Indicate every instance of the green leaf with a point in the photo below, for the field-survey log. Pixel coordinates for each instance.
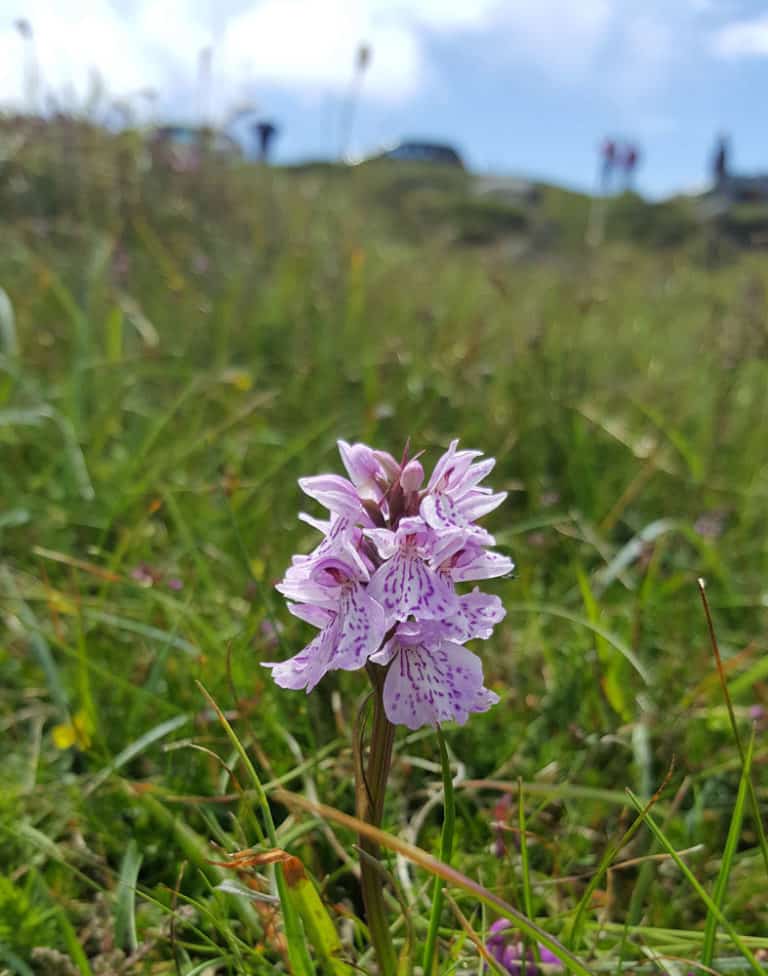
(318, 924)
(136, 748)
(614, 681)
(125, 909)
(8, 336)
(731, 843)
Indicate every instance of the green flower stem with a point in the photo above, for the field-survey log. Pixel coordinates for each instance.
(370, 801)
(429, 962)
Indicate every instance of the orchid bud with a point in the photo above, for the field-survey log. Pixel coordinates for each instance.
(412, 476)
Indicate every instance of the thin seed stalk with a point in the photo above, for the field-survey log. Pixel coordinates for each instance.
(370, 802)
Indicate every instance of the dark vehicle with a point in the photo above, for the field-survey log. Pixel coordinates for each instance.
(421, 152)
(746, 189)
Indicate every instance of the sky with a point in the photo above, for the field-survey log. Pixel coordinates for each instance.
(522, 87)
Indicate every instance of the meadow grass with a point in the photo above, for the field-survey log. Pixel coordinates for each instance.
(177, 351)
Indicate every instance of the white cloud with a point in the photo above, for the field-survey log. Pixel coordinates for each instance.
(295, 42)
(742, 38)
(440, 15)
(309, 46)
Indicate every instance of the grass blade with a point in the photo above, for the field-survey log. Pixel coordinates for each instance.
(756, 814)
(294, 936)
(73, 944)
(440, 870)
(39, 645)
(125, 909)
(135, 748)
(616, 642)
(8, 337)
(17, 965)
(574, 937)
(731, 843)
(429, 960)
(524, 866)
(659, 834)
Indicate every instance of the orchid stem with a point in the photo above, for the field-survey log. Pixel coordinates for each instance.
(370, 799)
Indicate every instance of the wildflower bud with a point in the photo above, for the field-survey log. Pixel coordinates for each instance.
(412, 476)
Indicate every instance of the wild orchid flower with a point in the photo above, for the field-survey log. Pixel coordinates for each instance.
(381, 585)
(507, 950)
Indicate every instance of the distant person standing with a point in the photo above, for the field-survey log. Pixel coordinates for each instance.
(630, 160)
(608, 157)
(720, 162)
(265, 136)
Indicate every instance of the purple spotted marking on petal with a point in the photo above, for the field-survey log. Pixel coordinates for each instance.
(425, 686)
(363, 625)
(476, 616)
(406, 585)
(441, 512)
(306, 668)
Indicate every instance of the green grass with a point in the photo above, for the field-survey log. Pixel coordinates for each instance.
(176, 352)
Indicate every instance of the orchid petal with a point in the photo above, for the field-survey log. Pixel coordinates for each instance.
(337, 495)
(363, 467)
(477, 504)
(316, 616)
(363, 626)
(405, 585)
(476, 616)
(305, 669)
(479, 564)
(427, 685)
(384, 540)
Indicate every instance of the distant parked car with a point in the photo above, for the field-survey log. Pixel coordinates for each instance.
(421, 152)
(746, 189)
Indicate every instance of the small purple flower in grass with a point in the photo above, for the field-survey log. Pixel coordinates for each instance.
(510, 952)
(381, 585)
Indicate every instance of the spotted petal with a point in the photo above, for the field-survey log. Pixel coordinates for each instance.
(363, 626)
(406, 585)
(427, 685)
(440, 511)
(476, 616)
(306, 668)
(452, 466)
